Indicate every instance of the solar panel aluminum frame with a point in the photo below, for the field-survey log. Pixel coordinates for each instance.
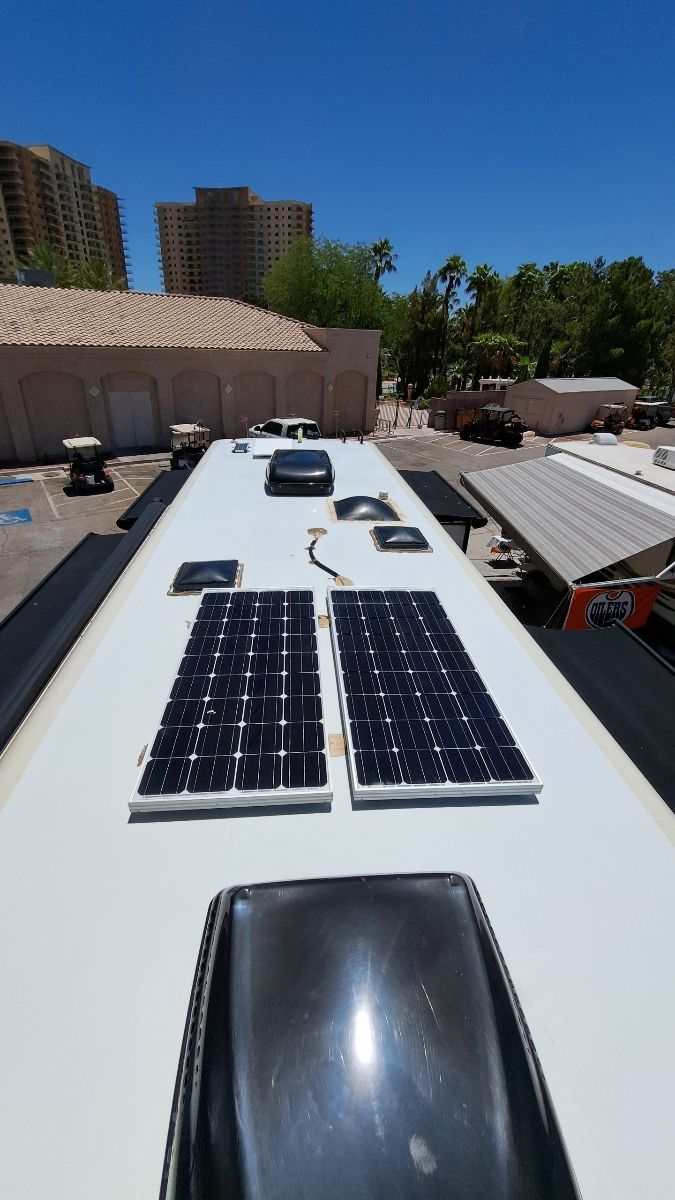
(407, 791)
(279, 797)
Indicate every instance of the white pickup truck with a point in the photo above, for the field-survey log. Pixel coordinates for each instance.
(286, 427)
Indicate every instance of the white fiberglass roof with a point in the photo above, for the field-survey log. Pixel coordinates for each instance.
(633, 462)
(101, 915)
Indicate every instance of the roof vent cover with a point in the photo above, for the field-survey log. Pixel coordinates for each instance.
(365, 508)
(399, 537)
(212, 573)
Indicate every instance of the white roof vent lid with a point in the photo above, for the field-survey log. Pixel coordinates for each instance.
(664, 456)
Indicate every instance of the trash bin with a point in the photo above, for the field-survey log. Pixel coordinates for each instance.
(439, 419)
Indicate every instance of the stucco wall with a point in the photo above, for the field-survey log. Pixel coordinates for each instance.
(49, 393)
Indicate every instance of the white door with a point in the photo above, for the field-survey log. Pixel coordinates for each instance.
(132, 419)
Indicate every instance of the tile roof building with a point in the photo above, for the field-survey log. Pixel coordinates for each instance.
(227, 240)
(124, 366)
(46, 196)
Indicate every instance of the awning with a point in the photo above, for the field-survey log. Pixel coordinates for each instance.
(571, 523)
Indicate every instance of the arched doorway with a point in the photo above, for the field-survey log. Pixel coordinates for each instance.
(253, 399)
(196, 397)
(132, 410)
(56, 407)
(351, 399)
(305, 396)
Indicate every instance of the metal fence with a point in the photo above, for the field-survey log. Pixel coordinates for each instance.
(393, 415)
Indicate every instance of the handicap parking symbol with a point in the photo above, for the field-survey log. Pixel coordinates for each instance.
(15, 516)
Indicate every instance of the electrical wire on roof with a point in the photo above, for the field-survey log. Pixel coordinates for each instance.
(315, 534)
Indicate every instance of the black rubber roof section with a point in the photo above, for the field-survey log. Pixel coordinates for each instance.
(447, 504)
(628, 686)
(36, 635)
(165, 487)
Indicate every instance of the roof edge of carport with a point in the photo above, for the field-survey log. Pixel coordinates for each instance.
(572, 524)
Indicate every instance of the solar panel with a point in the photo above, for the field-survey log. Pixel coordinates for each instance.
(420, 720)
(244, 722)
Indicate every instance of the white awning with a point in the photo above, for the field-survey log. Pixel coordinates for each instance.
(574, 524)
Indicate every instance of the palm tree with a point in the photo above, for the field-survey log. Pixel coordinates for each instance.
(382, 254)
(96, 274)
(44, 257)
(481, 279)
(451, 273)
(494, 352)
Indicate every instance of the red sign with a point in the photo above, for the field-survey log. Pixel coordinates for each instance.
(597, 607)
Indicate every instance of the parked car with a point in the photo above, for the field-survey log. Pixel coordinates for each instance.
(501, 426)
(88, 471)
(286, 427)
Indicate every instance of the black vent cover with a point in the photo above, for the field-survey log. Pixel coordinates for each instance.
(194, 576)
(364, 508)
(358, 1038)
(399, 537)
(300, 473)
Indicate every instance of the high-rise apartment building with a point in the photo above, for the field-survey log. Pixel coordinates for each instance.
(226, 241)
(45, 196)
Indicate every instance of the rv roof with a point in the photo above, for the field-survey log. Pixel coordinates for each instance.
(101, 915)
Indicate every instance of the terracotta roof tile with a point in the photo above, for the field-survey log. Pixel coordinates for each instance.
(44, 316)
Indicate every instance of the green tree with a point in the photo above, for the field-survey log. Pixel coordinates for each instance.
(494, 354)
(327, 284)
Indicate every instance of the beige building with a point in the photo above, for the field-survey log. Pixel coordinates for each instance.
(227, 240)
(557, 406)
(124, 366)
(45, 196)
(550, 407)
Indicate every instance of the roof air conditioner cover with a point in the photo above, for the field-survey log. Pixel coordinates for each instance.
(351, 1038)
(300, 473)
(664, 456)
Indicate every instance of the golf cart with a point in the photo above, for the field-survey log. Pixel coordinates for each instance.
(611, 418)
(189, 443)
(88, 471)
(648, 412)
(501, 426)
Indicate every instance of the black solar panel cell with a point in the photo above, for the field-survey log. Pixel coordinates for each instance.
(245, 713)
(418, 713)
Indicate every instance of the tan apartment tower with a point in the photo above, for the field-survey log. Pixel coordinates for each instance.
(45, 196)
(226, 241)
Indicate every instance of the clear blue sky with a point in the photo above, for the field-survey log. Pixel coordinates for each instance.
(501, 130)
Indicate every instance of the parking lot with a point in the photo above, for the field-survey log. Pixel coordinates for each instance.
(40, 523)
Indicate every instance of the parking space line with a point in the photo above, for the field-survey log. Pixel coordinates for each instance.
(49, 499)
(125, 481)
